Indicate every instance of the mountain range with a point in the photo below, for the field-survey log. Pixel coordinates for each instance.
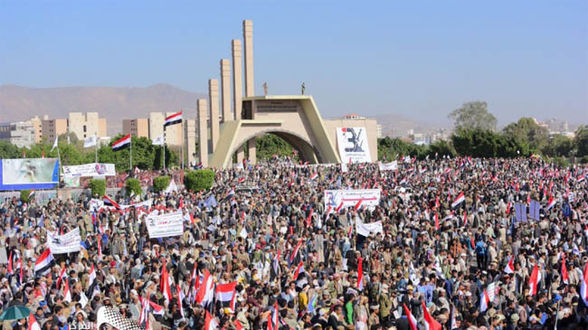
(113, 103)
(118, 103)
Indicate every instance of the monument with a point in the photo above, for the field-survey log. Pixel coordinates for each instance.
(224, 130)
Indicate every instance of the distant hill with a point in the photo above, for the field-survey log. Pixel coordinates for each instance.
(395, 125)
(113, 103)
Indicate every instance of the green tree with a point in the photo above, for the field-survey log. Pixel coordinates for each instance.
(144, 154)
(160, 183)
(171, 158)
(527, 131)
(442, 148)
(269, 145)
(558, 146)
(473, 115)
(199, 180)
(581, 141)
(485, 143)
(9, 150)
(97, 187)
(133, 187)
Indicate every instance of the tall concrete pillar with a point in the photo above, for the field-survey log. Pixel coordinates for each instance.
(213, 99)
(225, 68)
(248, 46)
(201, 114)
(237, 88)
(252, 151)
(237, 78)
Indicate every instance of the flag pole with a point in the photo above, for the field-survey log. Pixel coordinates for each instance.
(96, 150)
(131, 155)
(182, 128)
(163, 146)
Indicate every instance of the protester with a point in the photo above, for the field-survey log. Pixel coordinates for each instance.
(261, 250)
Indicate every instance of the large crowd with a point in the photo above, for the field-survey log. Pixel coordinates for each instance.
(263, 237)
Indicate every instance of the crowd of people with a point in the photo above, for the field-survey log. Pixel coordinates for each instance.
(453, 244)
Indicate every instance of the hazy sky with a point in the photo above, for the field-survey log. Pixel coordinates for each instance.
(421, 59)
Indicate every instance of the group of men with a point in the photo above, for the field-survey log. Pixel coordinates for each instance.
(448, 243)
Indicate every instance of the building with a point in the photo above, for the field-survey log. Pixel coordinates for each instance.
(38, 127)
(52, 128)
(173, 134)
(21, 134)
(86, 125)
(136, 127)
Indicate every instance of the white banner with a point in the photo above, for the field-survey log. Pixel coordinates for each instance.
(365, 229)
(66, 243)
(165, 225)
(93, 169)
(347, 198)
(392, 166)
(353, 145)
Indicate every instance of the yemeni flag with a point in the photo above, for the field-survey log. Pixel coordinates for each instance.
(484, 301)
(460, 199)
(509, 269)
(44, 263)
(430, 322)
(10, 266)
(210, 322)
(31, 194)
(206, 290)
(180, 299)
(534, 281)
(360, 274)
(436, 221)
(309, 217)
(358, 205)
(62, 276)
(314, 176)
(584, 286)
(109, 202)
(225, 294)
(411, 319)
(551, 203)
(176, 118)
(465, 218)
(295, 252)
(299, 269)
(67, 291)
(33, 324)
(273, 322)
(564, 270)
(164, 285)
(122, 143)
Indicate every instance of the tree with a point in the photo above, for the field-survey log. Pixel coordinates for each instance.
(160, 183)
(199, 180)
(527, 131)
(485, 143)
(98, 187)
(559, 146)
(9, 150)
(581, 141)
(473, 115)
(269, 145)
(441, 148)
